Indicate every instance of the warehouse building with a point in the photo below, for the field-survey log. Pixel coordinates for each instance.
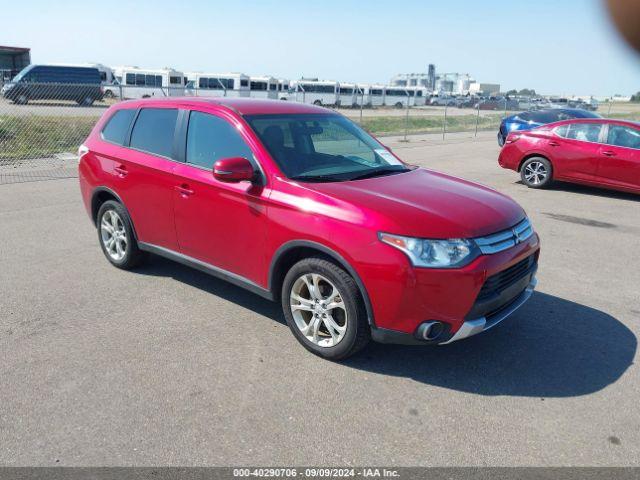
(12, 60)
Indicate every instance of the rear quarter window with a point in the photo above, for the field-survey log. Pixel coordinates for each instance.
(115, 131)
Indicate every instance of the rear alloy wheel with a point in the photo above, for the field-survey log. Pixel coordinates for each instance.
(324, 309)
(536, 172)
(116, 236)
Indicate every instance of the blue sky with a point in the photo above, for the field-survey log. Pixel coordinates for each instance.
(559, 47)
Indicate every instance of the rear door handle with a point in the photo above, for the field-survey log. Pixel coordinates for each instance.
(121, 170)
(553, 144)
(184, 190)
(609, 153)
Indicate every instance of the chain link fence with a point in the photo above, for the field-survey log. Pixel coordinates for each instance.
(42, 125)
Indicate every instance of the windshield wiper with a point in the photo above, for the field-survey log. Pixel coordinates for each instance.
(379, 172)
(316, 178)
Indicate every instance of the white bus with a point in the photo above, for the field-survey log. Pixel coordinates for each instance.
(418, 96)
(317, 92)
(374, 95)
(347, 94)
(135, 82)
(263, 87)
(284, 87)
(396, 97)
(203, 84)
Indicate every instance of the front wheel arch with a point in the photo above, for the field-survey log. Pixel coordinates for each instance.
(291, 252)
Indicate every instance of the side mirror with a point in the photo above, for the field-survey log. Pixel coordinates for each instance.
(234, 169)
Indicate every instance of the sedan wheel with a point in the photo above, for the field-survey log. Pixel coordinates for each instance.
(535, 173)
(318, 310)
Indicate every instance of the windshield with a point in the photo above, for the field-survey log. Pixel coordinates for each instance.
(323, 147)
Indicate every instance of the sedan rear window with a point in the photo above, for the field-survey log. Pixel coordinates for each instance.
(587, 132)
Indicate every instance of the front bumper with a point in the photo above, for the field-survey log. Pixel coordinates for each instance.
(468, 329)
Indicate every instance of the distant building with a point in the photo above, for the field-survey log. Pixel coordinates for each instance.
(12, 60)
(411, 80)
(453, 83)
(477, 88)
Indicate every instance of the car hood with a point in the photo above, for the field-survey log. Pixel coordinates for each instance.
(426, 204)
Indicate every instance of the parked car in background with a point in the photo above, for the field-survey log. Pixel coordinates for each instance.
(498, 103)
(442, 100)
(298, 204)
(55, 82)
(596, 151)
(467, 102)
(532, 119)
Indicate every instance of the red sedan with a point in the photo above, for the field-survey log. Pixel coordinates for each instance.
(597, 152)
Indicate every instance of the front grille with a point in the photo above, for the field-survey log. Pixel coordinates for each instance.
(495, 284)
(506, 239)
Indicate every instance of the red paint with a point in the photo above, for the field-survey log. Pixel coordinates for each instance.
(239, 226)
(591, 163)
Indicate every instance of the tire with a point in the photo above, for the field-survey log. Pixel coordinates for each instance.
(125, 257)
(536, 172)
(86, 101)
(21, 99)
(399, 105)
(108, 94)
(501, 139)
(350, 331)
(318, 103)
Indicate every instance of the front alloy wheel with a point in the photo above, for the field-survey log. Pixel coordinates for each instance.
(116, 236)
(324, 308)
(318, 310)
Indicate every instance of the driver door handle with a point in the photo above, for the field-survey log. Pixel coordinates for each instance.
(609, 153)
(553, 144)
(184, 190)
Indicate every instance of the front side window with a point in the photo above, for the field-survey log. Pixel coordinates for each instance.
(323, 147)
(623, 136)
(586, 132)
(211, 138)
(115, 131)
(153, 131)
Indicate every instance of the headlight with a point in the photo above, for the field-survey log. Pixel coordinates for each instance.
(452, 253)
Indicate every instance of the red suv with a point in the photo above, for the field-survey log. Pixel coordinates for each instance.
(298, 204)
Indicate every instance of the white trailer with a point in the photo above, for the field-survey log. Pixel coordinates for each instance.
(204, 84)
(317, 92)
(263, 87)
(135, 82)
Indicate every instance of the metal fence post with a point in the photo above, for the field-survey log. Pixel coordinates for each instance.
(477, 119)
(444, 122)
(120, 89)
(361, 104)
(609, 111)
(406, 121)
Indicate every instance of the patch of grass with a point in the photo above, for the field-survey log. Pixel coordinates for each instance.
(395, 125)
(33, 136)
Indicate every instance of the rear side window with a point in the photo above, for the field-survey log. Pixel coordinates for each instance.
(562, 130)
(115, 131)
(586, 132)
(210, 138)
(153, 131)
(622, 136)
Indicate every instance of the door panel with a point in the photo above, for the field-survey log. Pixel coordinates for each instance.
(576, 154)
(220, 223)
(619, 162)
(223, 224)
